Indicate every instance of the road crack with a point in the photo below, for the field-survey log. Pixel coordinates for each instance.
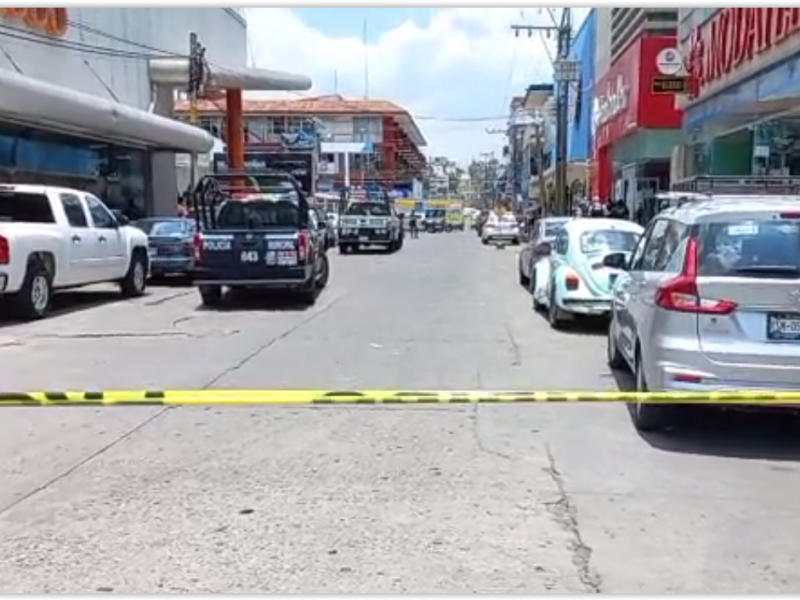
(86, 460)
(168, 298)
(476, 435)
(516, 354)
(112, 335)
(566, 514)
(269, 344)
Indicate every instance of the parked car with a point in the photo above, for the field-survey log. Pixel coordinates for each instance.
(578, 282)
(544, 232)
(501, 228)
(268, 240)
(171, 242)
(54, 238)
(710, 300)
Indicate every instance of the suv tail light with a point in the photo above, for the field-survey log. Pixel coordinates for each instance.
(681, 294)
(303, 242)
(197, 246)
(5, 251)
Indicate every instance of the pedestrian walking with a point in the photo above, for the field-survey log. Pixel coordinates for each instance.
(413, 225)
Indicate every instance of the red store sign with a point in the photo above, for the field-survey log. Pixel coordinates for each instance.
(624, 99)
(736, 36)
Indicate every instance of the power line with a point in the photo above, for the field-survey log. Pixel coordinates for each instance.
(109, 36)
(11, 32)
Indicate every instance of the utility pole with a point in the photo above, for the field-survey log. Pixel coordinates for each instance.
(566, 72)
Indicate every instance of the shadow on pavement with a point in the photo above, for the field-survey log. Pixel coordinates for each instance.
(753, 433)
(256, 300)
(594, 326)
(764, 434)
(366, 252)
(170, 281)
(65, 303)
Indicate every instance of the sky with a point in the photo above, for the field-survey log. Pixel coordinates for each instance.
(454, 69)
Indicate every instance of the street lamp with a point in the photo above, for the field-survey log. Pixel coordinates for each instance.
(566, 72)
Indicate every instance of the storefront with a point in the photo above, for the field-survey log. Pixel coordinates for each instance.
(635, 122)
(743, 114)
(82, 104)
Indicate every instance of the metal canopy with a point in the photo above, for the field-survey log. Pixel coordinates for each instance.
(41, 104)
(174, 72)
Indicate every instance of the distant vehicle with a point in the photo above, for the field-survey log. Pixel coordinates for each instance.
(331, 233)
(544, 232)
(55, 238)
(710, 300)
(579, 282)
(268, 239)
(171, 241)
(434, 220)
(501, 228)
(454, 219)
(366, 224)
(480, 221)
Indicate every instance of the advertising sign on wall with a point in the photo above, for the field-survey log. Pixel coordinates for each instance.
(635, 93)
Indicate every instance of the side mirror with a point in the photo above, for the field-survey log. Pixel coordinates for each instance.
(120, 217)
(543, 249)
(617, 260)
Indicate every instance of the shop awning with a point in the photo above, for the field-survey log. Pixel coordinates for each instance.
(41, 104)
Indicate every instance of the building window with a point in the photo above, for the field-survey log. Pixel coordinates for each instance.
(278, 125)
(120, 176)
(294, 124)
(367, 129)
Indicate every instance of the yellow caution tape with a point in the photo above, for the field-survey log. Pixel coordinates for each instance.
(196, 397)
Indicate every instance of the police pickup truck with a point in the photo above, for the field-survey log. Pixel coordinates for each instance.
(266, 238)
(370, 224)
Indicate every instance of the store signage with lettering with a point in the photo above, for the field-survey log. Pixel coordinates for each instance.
(613, 102)
(663, 84)
(52, 21)
(735, 37)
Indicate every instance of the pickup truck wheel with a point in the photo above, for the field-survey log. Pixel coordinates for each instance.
(344, 249)
(308, 295)
(34, 299)
(210, 295)
(134, 283)
(400, 242)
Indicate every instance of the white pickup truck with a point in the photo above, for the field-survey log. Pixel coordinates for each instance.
(54, 238)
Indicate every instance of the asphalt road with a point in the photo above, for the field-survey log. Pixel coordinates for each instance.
(459, 499)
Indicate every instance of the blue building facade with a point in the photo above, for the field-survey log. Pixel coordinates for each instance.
(581, 97)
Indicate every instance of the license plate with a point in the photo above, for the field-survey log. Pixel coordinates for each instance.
(287, 259)
(783, 326)
(363, 238)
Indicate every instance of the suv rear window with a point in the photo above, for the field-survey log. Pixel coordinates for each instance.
(22, 207)
(762, 247)
(257, 214)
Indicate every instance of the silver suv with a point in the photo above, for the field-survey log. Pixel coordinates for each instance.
(710, 300)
